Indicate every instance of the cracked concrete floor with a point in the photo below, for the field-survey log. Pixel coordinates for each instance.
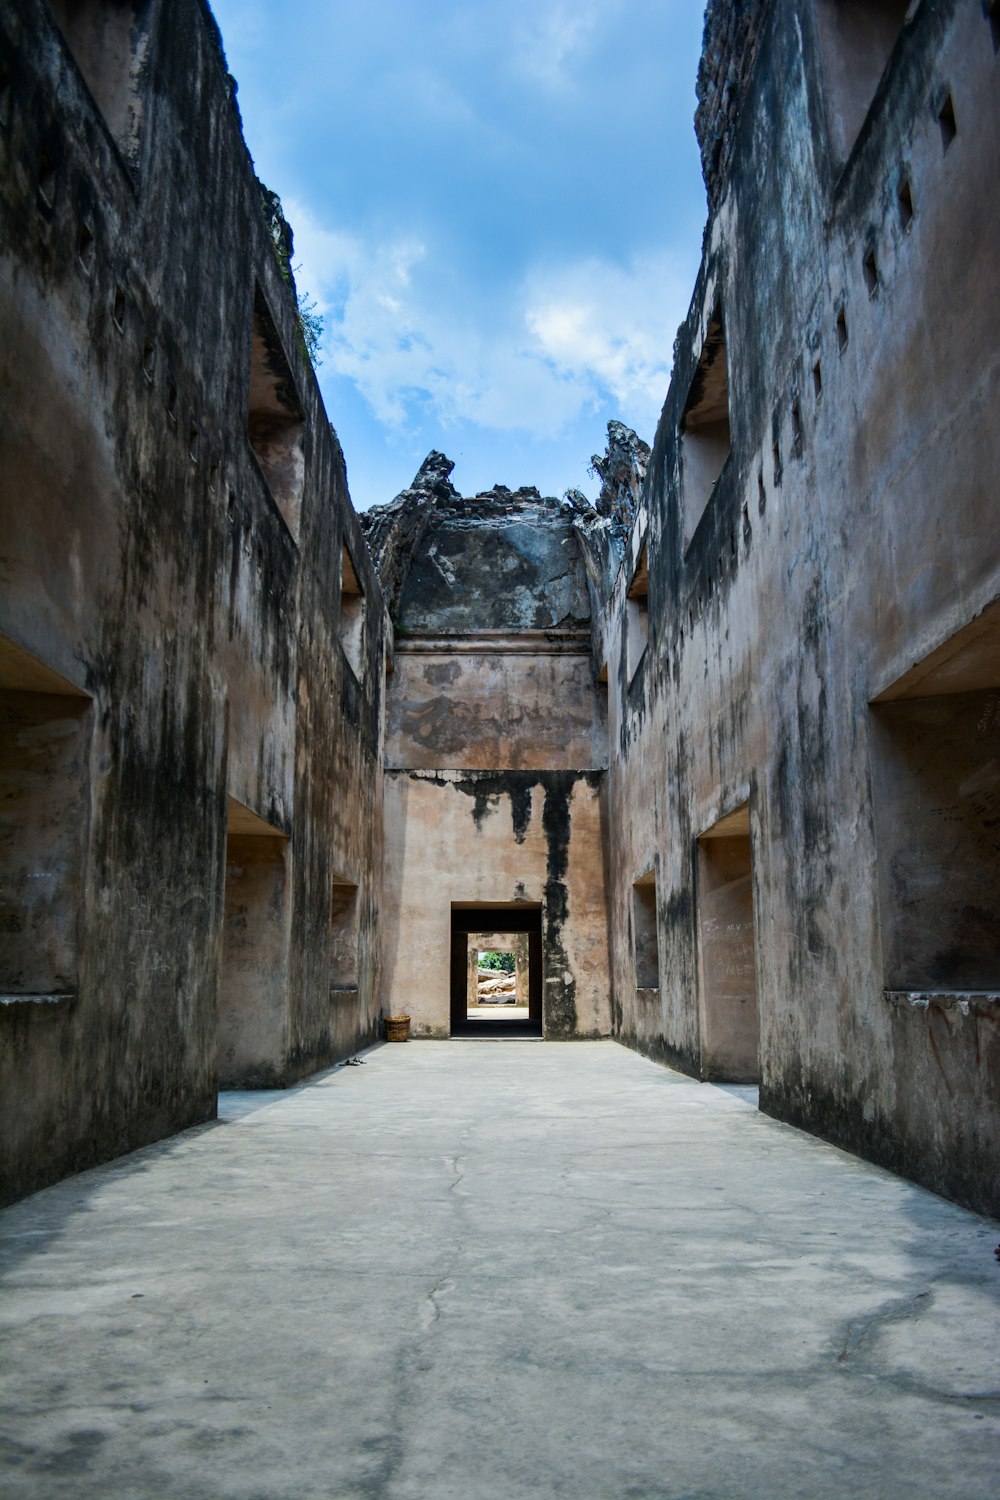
(500, 1270)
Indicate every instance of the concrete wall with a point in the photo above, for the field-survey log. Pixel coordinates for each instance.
(493, 838)
(851, 534)
(496, 740)
(148, 566)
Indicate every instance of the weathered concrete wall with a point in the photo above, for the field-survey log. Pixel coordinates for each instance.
(852, 531)
(497, 564)
(519, 708)
(493, 838)
(497, 743)
(148, 562)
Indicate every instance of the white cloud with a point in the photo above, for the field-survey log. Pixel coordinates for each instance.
(571, 338)
(555, 38)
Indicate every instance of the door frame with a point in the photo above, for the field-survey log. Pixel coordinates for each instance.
(515, 917)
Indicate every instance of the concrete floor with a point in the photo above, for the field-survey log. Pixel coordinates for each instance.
(501, 1270)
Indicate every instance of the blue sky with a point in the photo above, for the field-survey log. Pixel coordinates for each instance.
(498, 208)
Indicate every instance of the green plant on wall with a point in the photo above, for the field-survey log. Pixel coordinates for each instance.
(310, 322)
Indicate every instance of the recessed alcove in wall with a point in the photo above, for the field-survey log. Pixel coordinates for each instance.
(108, 40)
(637, 615)
(275, 423)
(45, 726)
(253, 980)
(704, 428)
(352, 613)
(936, 775)
(727, 960)
(343, 938)
(856, 38)
(645, 941)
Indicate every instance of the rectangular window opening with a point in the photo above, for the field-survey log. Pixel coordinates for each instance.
(108, 40)
(637, 616)
(44, 792)
(275, 422)
(352, 613)
(870, 267)
(934, 765)
(797, 429)
(856, 39)
(644, 932)
(344, 928)
(704, 427)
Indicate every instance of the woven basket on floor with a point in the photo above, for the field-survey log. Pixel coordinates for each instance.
(397, 1028)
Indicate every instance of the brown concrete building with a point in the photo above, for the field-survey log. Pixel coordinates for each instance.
(724, 745)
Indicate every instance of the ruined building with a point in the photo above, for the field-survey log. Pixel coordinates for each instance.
(725, 745)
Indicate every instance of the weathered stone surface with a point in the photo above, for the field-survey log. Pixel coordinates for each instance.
(729, 51)
(395, 531)
(844, 551)
(184, 615)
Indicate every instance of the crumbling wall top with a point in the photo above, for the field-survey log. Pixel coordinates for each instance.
(729, 50)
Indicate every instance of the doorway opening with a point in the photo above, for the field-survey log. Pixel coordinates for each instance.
(253, 980)
(728, 999)
(496, 971)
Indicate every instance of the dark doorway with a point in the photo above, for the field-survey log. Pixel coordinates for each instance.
(494, 920)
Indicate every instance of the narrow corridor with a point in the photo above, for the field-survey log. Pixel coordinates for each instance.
(501, 1270)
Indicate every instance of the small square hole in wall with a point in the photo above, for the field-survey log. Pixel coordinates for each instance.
(118, 309)
(841, 331)
(148, 359)
(171, 404)
(46, 179)
(761, 492)
(817, 380)
(870, 267)
(85, 250)
(904, 201)
(946, 122)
